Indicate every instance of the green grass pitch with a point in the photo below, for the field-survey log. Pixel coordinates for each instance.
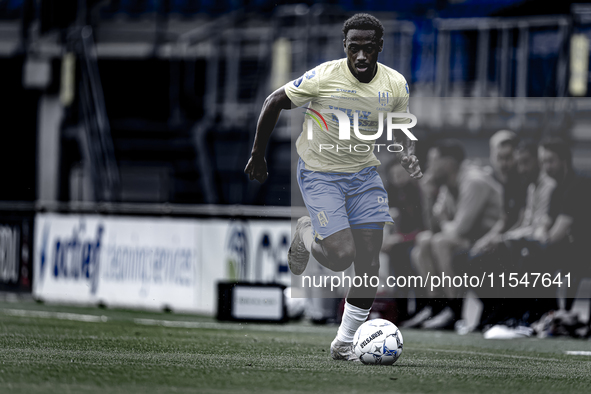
(47, 349)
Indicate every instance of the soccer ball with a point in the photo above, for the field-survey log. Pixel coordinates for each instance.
(378, 341)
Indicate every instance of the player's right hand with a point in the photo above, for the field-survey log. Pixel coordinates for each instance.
(411, 165)
(256, 168)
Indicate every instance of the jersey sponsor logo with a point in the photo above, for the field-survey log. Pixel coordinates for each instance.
(310, 74)
(347, 98)
(322, 218)
(362, 117)
(346, 90)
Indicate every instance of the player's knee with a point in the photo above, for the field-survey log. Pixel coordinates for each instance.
(342, 257)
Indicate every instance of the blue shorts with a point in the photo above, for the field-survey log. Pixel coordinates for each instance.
(339, 200)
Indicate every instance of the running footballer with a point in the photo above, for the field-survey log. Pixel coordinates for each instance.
(341, 188)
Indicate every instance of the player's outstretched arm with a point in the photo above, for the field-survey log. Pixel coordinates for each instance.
(409, 161)
(256, 168)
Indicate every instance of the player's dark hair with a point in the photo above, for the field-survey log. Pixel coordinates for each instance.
(529, 146)
(364, 22)
(560, 147)
(451, 148)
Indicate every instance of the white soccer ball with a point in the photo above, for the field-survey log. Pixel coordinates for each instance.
(378, 341)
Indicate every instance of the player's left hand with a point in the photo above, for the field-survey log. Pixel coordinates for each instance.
(411, 165)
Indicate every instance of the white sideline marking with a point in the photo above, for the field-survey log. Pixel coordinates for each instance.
(181, 324)
(578, 353)
(164, 323)
(493, 354)
(56, 315)
(226, 326)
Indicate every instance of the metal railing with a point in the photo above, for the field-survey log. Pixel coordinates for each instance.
(97, 133)
(225, 42)
(149, 209)
(507, 30)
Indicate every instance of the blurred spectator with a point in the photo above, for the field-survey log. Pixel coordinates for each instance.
(567, 230)
(539, 189)
(558, 240)
(429, 196)
(502, 159)
(404, 197)
(468, 205)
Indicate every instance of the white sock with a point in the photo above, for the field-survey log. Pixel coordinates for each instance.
(308, 238)
(353, 317)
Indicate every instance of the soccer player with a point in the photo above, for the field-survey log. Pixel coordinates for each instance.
(340, 186)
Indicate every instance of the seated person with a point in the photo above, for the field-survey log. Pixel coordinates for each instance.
(559, 239)
(469, 204)
(539, 190)
(404, 199)
(566, 233)
(504, 170)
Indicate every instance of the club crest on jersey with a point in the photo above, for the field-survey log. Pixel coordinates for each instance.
(384, 98)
